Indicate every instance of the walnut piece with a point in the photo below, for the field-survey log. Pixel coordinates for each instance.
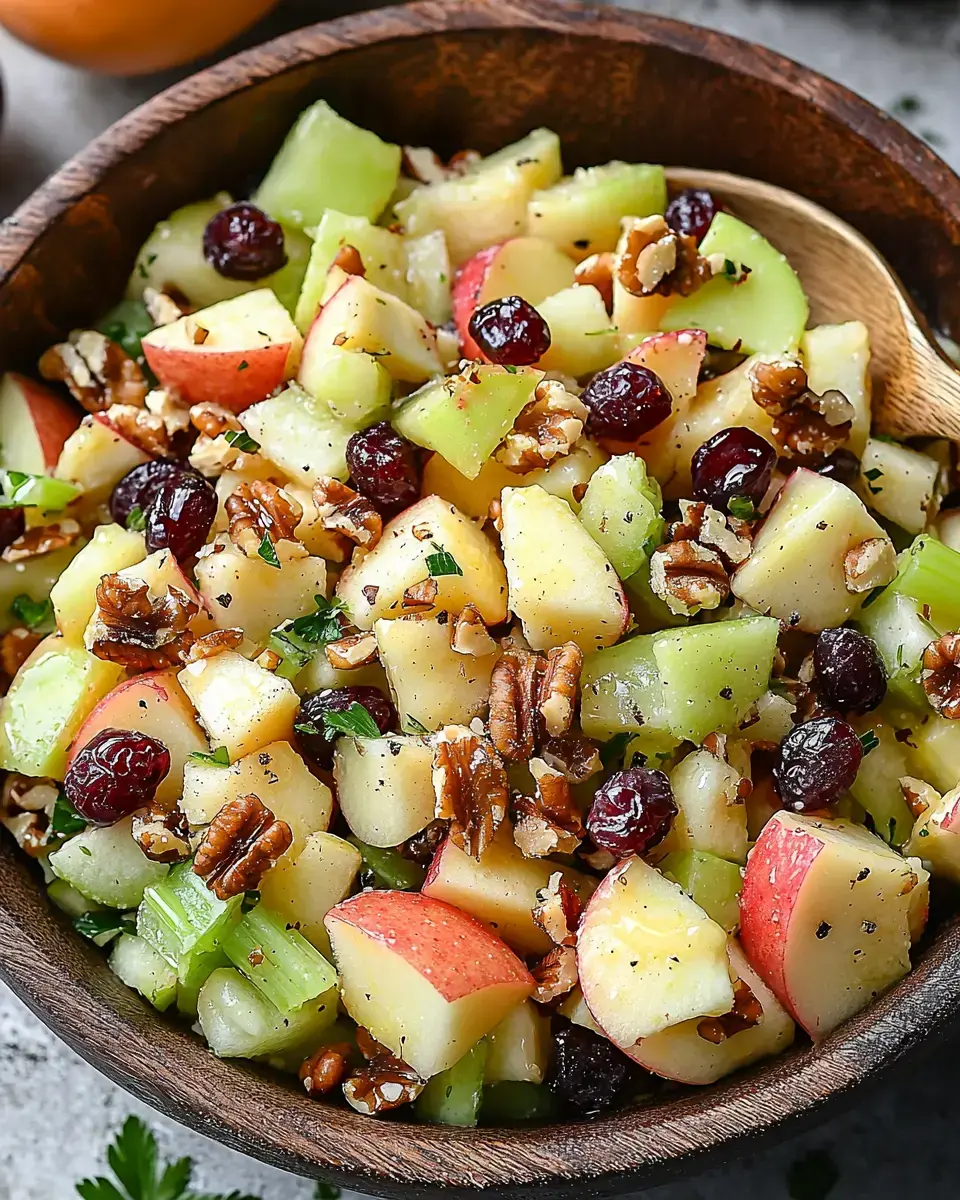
(213, 419)
(342, 510)
(98, 372)
(16, 647)
(164, 404)
(26, 806)
(597, 271)
(573, 755)
(353, 651)
(700, 522)
(548, 428)
(242, 842)
(325, 1069)
(261, 510)
(558, 688)
(689, 577)
(940, 675)
(425, 165)
(147, 431)
(652, 258)
(747, 1013)
(138, 631)
(550, 822)
(42, 539)
(209, 645)
(468, 634)
(470, 785)
(805, 425)
(163, 835)
(163, 308)
(558, 911)
(555, 974)
(872, 563)
(532, 693)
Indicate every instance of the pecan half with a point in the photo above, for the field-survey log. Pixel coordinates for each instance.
(689, 577)
(242, 842)
(138, 631)
(468, 634)
(805, 425)
(548, 428)
(16, 647)
(209, 645)
(747, 1013)
(470, 785)
(573, 755)
(163, 835)
(349, 653)
(98, 372)
(26, 805)
(532, 693)
(558, 688)
(42, 539)
(147, 431)
(558, 911)
(872, 563)
(383, 1084)
(940, 675)
(342, 510)
(555, 974)
(325, 1069)
(597, 271)
(652, 258)
(548, 823)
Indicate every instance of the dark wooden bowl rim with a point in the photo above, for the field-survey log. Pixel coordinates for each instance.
(249, 1110)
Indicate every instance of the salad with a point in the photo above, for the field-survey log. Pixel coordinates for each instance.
(473, 653)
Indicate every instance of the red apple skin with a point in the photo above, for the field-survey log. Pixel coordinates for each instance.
(951, 819)
(219, 376)
(467, 286)
(453, 950)
(53, 419)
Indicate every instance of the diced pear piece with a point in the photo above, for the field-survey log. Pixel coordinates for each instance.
(712, 815)
(562, 587)
(582, 337)
(304, 885)
(301, 434)
(899, 483)
(385, 786)
(74, 594)
(838, 356)
(242, 706)
(519, 1047)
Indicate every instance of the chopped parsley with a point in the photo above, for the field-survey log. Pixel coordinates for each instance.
(742, 508)
(32, 613)
(108, 921)
(268, 553)
(354, 721)
(137, 519)
(612, 751)
(219, 758)
(65, 821)
(869, 741)
(873, 474)
(241, 440)
(442, 563)
(322, 626)
(243, 365)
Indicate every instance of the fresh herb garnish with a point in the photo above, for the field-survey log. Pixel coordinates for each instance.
(742, 508)
(308, 728)
(510, 369)
(65, 821)
(30, 612)
(869, 741)
(243, 365)
(137, 519)
(268, 553)
(241, 440)
(612, 751)
(354, 721)
(95, 924)
(442, 563)
(871, 475)
(412, 725)
(322, 626)
(219, 758)
(20, 490)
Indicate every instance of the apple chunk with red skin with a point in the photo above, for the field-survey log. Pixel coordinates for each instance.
(426, 979)
(233, 353)
(936, 834)
(35, 423)
(826, 914)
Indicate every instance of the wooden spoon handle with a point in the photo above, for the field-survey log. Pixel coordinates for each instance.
(931, 404)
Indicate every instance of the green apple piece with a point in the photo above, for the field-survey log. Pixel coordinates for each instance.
(454, 1096)
(74, 594)
(581, 215)
(328, 162)
(32, 577)
(465, 417)
(877, 785)
(139, 966)
(901, 634)
(583, 339)
(512, 1101)
(536, 156)
(106, 865)
(764, 313)
(898, 483)
(172, 257)
(355, 385)
(929, 572)
(621, 511)
(936, 752)
(620, 691)
(838, 356)
(301, 434)
(429, 276)
(711, 882)
(712, 815)
(126, 324)
(53, 693)
(381, 251)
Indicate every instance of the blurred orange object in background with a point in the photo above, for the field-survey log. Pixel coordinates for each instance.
(129, 37)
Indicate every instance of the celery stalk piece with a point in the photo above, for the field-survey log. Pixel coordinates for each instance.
(390, 867)
(877, 785)
(279, 961)
(66, 897)
(184, 921)
(141, 967)
(620, 690)
(454, 1096)
(195, 974)
(238, 1021)
(328, 162)
(901, 634)
(105, 864)
(621, 512)
(709, 881)
(930, 573)
(514, 1100)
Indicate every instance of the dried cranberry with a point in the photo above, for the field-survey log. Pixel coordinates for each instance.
(734, 462)
(625, 402)
(384, 468)
(510, 332)
(116, 772)
(318, 746)
(588, 1071)
(632, 811)
(12, 525)
(692, 212)
(850, 674)
(842, 466)
(180, 515)
(138, 487)
(817, 763)
(241, 242)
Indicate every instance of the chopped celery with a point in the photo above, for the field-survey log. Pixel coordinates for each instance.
(901, 633)
(126, 323)
(184, 921)
(930, 573)
(21, 490)
(279, 961)
(238, 1021)
(514, 1100)
(877, 785)
(709, 881)
(390, 867)
(453, 1097)
(189, 982)
(141, 967)
(621, 691)
(66, 897)
(621, 511)
(106, 864)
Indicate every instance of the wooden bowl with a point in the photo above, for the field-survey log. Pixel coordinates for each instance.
(467, 73)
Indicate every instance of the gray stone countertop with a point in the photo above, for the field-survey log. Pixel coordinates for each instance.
(897, 1137)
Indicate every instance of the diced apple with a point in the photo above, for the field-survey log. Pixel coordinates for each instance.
(621, 512)
(160, 572)
(276, 774)
(96, 457)
(519, 1047)
(35, 422)
(620, 690)
(825, 916)
(712, 814)
(431, 683)
(877, 785)
(357, 386)
(233, 353)
(73, 595)
(304, 885)
(536, 156)
(523, 266)
(429, 276)
(51, 696)
(157, 705)
(935, 752)
(385, 786)
(373, 586)
(899, 483)
(426, 979)
(33, 577)
(936, 835)
(561, 585)
(582, 338)
(838, 356)
(648, 957)
(500, 888)
(680, 1053)
(795, 571)
(301, 434)
(247, 593)
(318, 675)
(241, 706)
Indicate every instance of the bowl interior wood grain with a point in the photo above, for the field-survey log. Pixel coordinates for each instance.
(614, 85)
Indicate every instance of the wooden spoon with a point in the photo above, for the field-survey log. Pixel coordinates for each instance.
(916, 388)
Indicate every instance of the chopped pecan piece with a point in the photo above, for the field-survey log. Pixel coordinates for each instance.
(689, 577)
(348, 259)
(872, 563)
(355, 650)
(420, 597)
(747, 1013)
(940, 675)
(98, 372)
(532, 693)
(548, 428)
(555, 974)
(558, 911)
(165, 405)
(558, 688)
(470, 785)
(574, 755)
(468, 634)
(342, 510)
(918, 794)
(147, 431)
(209, 645)
(42, 539)
(805, 425)
(26, 805)
(383, 1084)
(163, 835)
(653, 258)
(550, 822)
(242, 842)
(325, 1069)
(597, 271)
(140, 632)
(261, 510)
(16, 647)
